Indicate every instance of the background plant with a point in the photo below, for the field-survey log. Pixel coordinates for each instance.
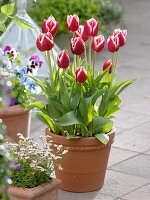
(4, 165)
(16, 86)
(7, 12)
(107, 12)
(34, 165)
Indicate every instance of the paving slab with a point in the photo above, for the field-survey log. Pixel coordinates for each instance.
(136, 139)
(127, 119)
(119, 130)
(117, 155)
(142, 193)
(138, 165)
(96, 195)
(118, 184)
(142, 107)
(147, 152)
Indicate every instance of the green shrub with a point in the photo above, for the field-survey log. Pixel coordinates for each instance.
(61, 8)
(107, 12)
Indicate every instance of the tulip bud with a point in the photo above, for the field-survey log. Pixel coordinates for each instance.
(122, 35)
(72, 22)
(63, 59)
(91, 27)
(81, 75)
(107, 64)
(44, 41)
(80, 33)
(113, 43)
(98, 43)
(77, 46)
(50, 25)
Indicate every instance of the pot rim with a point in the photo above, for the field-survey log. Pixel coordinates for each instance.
(85, 141)
(12, 110)
(36, 191)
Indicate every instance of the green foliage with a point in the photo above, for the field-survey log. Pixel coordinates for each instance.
(106, 11)
(20, 93)
(34, 165)
(80, 110)
(4, 165)
(27, 177)
(7, 13)
(110, 14)
(61, 8)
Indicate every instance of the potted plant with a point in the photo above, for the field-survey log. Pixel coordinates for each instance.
(81, 101)
(16, 88)
(5, 165)
(32, 171)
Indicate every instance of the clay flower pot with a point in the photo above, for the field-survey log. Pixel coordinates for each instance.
(85, 164)
(17, 120)
(46, 191)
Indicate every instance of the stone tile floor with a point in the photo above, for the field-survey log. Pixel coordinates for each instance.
(128, 173)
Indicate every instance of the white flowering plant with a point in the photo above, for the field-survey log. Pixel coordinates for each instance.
(33, 164)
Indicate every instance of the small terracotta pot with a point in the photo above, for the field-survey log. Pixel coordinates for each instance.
(46, 191)
(17, 120)
(85, 164)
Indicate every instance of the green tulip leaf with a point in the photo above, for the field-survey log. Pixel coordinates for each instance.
(102, 125)
(73, 137)
(104, 138)
(67, 119)
(8, 9)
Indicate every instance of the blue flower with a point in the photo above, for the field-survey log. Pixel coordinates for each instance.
(32, 87)
(22, 73)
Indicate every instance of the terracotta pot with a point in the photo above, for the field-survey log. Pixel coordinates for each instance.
(85, 164)
(46, 191)
(17, 120)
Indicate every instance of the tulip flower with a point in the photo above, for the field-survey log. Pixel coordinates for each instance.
(107, 64)
(91, 27)
(122, 35)
(98, 43)
(77, 46)
(50, 25)
(80, 33)
(63, 59)
(72, 22)
(44, 41)
(113, 43)
(81, 75)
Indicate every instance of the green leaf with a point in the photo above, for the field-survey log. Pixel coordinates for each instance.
(2, 27)
(104, 138)
(75, 102)
(100, 76)
(36, 105)
(3, 18)
(126, 85)
(67, 119)
(45, 119)
(8, 9)
(102, 125)
(23, 23)
(73, 137)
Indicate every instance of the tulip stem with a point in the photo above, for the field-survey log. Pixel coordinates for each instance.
(94, 60)
(54, 59)
(50, 66)
(90, 41)
(75, 63)
(113, 69)
(85, 54)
